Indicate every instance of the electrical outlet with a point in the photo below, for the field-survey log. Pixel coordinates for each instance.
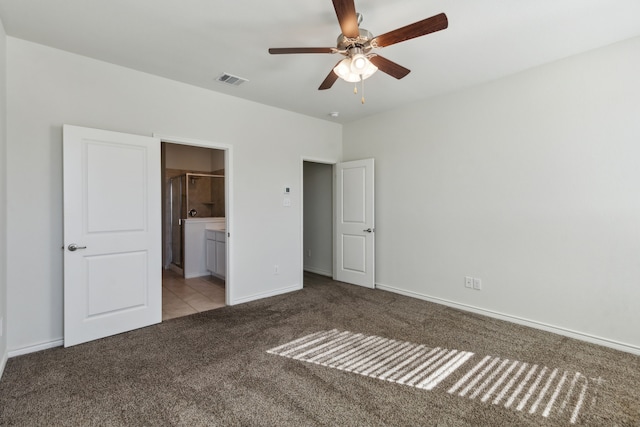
(477, 283)
(468, 282)
(276, 269)
(309, 252)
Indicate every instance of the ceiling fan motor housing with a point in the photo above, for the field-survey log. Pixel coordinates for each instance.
(346, 44)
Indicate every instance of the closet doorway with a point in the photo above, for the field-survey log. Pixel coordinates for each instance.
(338, 232)
(317, 218)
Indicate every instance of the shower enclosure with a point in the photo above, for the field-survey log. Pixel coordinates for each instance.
(191, 195)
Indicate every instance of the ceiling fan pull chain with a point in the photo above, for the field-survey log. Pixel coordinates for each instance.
(355, 88)
(362, 82)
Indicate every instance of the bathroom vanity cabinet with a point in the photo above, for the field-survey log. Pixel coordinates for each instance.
(196, 261)
(217, 252)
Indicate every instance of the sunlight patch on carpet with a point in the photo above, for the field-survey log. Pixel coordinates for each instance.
(386, 359)
(510, 383)
(530, 388)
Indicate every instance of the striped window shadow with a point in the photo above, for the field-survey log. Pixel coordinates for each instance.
(512, 384)
(529, 388)
(377, 357)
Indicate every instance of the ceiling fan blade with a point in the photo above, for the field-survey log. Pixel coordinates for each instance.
(417, 29)
(346, 12)
(389, 67)
(287, 50)
(330, 80)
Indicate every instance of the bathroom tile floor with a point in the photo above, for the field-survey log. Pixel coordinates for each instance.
(181, 297)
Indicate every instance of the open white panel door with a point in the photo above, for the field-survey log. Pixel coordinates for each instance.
(355, 225)
(112, 233)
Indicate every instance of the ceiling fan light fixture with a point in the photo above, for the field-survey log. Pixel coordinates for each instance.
(358, 63)
(345, 70)
(369, 69)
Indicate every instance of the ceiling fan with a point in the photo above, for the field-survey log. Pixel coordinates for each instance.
(356, 44)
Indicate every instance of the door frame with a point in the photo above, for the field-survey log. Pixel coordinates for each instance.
(228, 195)
(332, 163)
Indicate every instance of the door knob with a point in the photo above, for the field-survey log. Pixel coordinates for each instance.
(73, 247)
(368, 230)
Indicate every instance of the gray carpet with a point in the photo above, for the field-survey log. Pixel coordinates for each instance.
(331, 354)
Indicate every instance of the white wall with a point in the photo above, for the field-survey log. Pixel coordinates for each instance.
(48, 87)
(3, 197)
(318, 218)
(531, 183)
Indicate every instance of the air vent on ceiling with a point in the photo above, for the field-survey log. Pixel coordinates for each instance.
(230, 79)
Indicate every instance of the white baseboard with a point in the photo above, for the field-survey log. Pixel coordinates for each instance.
(199, 274)
(265, 294)
(36, 347)
(319, 271)
(3, 363)
(518, 320)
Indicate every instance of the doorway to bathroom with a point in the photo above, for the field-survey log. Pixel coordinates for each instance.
(194, 229)
(192, 197)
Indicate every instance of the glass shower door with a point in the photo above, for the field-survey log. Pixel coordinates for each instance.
(177, 208)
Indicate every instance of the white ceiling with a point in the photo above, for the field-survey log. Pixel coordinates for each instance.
(194, 41)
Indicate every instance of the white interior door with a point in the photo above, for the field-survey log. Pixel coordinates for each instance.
(355, 225)
(112, 233)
